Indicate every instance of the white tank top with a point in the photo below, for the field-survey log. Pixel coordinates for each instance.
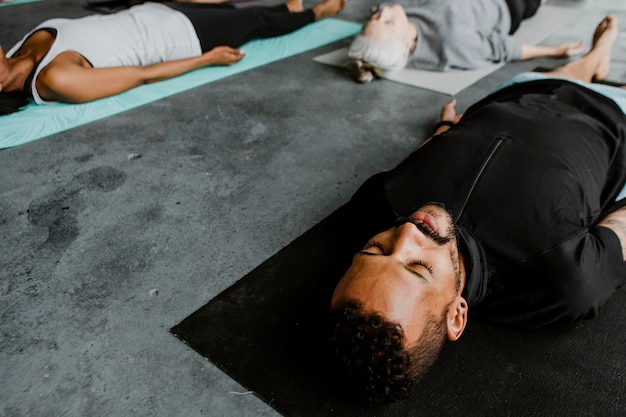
(142, 35)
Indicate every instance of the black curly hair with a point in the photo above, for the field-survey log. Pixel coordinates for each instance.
(369, 352)
(12, 102)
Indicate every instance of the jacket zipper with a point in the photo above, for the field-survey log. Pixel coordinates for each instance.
(479, 174)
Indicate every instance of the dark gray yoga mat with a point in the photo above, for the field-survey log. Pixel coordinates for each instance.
(265, 332)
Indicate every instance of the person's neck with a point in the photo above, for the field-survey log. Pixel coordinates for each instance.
(21, 64)
(18, 69)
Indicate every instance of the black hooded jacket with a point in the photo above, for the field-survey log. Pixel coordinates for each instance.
(526, 175)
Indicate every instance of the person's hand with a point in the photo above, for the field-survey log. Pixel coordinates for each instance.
(448, 118)
(223, 55)
(448, 112)
(570, 49)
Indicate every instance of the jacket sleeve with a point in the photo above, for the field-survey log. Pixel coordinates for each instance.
(593, 268)
(567, 283)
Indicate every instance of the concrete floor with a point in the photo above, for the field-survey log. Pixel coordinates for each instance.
(101, 254)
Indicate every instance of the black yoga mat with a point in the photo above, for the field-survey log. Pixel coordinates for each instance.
(265, 332)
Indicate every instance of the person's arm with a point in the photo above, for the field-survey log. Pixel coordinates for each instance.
(557, 51)
(447, 119)
(69, 77)
(616, 221)
(449, 116)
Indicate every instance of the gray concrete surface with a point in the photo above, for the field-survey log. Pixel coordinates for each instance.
(101, 254)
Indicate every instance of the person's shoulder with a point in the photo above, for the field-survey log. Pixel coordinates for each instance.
(60, 75)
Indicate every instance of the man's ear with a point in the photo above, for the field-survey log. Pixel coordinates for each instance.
(457, 318)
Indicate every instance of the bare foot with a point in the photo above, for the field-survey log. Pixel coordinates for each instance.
(294, 6)
(328, 8)
(603, 40)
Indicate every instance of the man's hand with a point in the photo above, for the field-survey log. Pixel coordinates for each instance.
(448, 112)
(448, 117)
(223, 55)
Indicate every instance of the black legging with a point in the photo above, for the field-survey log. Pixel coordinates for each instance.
(218, 24)
(520, 10)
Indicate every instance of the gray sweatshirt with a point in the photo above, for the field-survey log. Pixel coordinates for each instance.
(460, 34)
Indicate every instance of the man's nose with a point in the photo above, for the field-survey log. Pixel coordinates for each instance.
(406, 237)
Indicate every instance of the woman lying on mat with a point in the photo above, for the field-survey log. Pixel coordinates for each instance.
(441, 35)
(80, 60)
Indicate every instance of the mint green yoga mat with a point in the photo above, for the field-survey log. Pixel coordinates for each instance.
(38, 121)
(12, 2)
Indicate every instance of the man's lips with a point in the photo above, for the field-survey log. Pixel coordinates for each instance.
(428, 219)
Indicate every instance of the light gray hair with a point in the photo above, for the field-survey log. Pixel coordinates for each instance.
(387, 55)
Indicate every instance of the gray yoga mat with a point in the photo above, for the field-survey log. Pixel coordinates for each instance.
(548, 20)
